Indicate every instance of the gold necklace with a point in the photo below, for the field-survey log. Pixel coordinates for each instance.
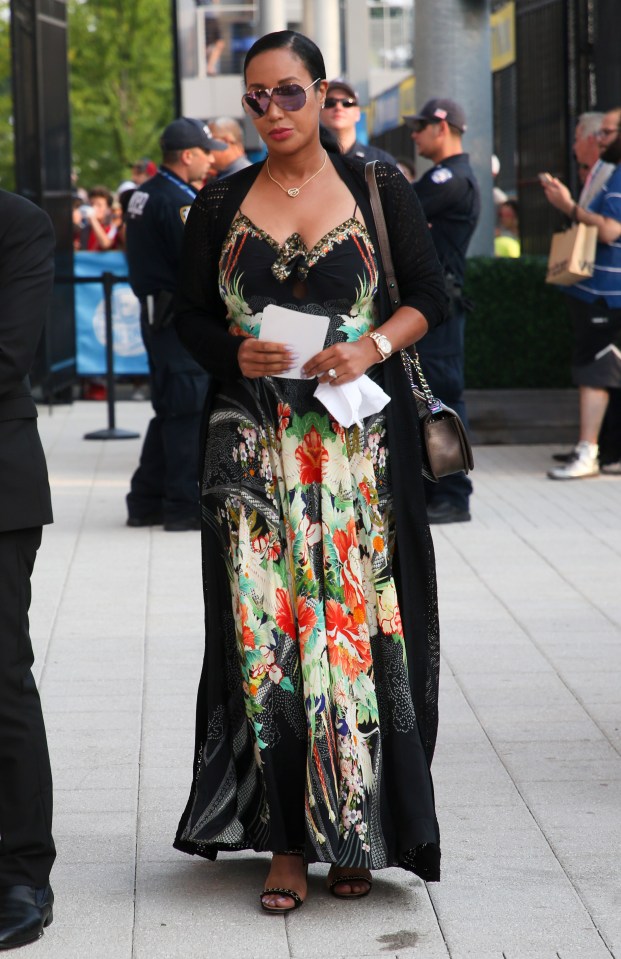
(294, 190)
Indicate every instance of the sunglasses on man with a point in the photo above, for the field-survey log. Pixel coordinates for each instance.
(289, 97)
(332, 102)
(418, 126)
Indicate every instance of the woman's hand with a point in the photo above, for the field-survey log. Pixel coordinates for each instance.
(260, 358)
(347, 360)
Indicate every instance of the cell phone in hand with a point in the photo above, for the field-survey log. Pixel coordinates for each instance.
(545, 177)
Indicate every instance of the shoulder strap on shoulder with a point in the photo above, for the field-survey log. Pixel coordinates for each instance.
(382, 236)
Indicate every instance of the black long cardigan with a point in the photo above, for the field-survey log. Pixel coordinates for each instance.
(200, 320)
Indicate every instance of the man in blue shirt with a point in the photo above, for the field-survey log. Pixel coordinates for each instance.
(164, 488)
(449, 195)
(595, 304)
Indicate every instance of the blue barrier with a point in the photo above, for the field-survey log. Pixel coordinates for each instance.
(129, 353)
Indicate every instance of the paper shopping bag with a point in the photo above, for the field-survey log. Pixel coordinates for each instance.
(572, 255)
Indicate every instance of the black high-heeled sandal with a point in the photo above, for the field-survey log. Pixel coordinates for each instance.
(339, 880)
(278, 891)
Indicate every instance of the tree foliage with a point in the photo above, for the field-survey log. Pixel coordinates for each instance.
(121, 80)
(7, 159)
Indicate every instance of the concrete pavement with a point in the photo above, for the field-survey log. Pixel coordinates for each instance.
(527, 770)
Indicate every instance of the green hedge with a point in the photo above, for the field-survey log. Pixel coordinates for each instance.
(518, 335)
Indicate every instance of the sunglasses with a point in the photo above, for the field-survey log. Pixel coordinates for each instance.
(290, 97)
(332, 102)
(419, 125)
(606, 133)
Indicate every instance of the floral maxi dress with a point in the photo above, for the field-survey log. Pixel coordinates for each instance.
(309, 741)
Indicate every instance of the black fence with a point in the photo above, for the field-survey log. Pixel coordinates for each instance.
(567, 63)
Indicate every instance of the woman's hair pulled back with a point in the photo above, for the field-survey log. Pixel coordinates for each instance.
(307, 53)
(302, 47)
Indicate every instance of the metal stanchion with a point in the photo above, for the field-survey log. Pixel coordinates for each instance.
(112, 432)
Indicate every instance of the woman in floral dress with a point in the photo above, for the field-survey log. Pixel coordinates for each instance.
(317, 705)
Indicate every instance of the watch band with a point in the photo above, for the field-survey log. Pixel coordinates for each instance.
(377, 337)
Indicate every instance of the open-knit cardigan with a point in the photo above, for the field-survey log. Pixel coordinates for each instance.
(202, 325)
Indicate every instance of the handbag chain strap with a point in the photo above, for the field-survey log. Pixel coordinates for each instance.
(409, 357)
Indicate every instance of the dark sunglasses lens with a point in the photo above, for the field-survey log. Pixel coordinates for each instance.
(255, 106)
(332, 102)
(291, 97)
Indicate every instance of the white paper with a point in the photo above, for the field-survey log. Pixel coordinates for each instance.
(352, 402)
(305, 333)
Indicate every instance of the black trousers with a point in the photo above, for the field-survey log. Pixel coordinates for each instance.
(26, 845)
(442, 358)
(166, 481)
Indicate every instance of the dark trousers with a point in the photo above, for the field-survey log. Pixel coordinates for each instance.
(26, 846)
(442, 359)
(610, 433)
(166, 481)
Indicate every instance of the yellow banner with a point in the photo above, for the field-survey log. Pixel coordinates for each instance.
(503, 36)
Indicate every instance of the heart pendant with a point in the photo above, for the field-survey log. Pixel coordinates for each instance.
(293, 191)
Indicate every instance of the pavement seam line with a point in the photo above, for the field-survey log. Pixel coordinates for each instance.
(67, 576)
(540, 649)
(140, 733)
(438, 921)
(499, 757)
(531, 813)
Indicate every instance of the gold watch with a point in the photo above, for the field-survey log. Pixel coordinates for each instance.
(382, 345)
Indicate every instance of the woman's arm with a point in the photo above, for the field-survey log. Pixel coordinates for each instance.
(200, 315)
(421, 285)
(419, 274)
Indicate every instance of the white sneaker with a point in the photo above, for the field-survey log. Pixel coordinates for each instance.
(582, 464)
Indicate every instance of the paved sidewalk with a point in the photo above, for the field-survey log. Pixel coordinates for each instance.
(527, 770)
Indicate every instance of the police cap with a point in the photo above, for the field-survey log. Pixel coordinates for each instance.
(185, 133)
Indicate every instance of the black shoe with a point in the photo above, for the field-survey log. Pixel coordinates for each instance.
(150, 519)
(446, 512)
(181, 525)
(24, 914)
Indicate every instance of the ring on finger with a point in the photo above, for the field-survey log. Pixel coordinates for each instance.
(332, 373)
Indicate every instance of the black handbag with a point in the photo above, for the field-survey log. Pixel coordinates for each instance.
(445, 445)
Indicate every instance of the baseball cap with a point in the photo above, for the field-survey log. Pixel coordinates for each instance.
(339, 84)
(440, 109)
(186, 132)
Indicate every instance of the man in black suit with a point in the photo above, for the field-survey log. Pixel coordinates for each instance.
(26, 846)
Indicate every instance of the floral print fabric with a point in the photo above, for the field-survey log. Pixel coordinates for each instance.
(301, 511)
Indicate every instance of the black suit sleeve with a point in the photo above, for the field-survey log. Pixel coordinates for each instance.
(26, 278)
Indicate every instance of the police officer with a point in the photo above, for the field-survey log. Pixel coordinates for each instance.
(340, 114)
(164, 488)
(449, 195)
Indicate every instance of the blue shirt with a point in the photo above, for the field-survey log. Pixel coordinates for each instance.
(606, 279)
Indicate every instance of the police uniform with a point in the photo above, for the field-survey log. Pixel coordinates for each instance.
(367, 153)
(164, 488)
(449, 195)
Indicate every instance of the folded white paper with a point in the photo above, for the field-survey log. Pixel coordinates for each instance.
(305, 333)
(352, 402)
